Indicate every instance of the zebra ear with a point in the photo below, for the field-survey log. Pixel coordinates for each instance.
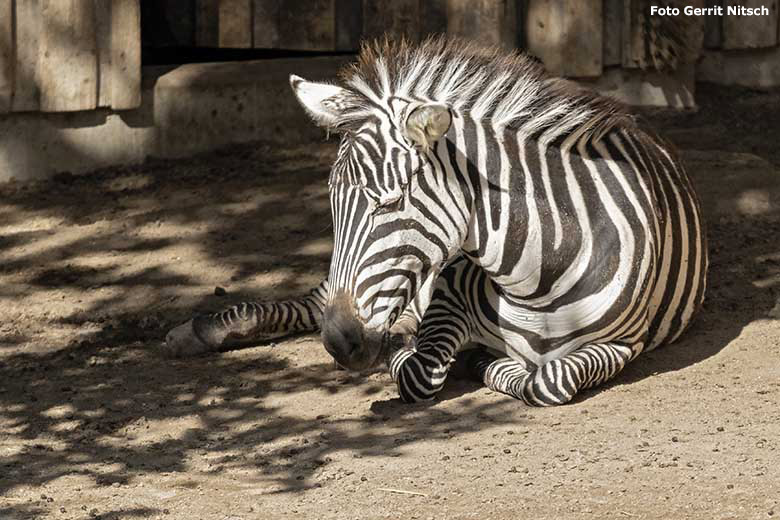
(322, 101)
(427, 123)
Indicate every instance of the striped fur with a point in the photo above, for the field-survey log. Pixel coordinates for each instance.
(546, 231)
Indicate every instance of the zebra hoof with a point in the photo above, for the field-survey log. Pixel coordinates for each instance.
(182, 342)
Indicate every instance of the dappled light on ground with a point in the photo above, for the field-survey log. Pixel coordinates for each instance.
(94, 422)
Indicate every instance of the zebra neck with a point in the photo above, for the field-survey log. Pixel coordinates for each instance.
(531, 230)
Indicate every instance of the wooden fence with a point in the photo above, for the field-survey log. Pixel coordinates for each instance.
(67, 55)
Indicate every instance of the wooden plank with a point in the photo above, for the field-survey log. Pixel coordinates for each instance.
(349, 24)
(433, 17)
(207, 23)
(125, 54)
(6, 55)
(633, 54)
(103, 30)
(26, 78)
(310, 25)
(235, 24)
(713, 27)
(584, 25)
(67, 56)
(566, 35)
(613, 32)
(492, 22)
(750, 32)
(266, 24)
(397, 19)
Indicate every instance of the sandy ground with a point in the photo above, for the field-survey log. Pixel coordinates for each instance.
(94, 423)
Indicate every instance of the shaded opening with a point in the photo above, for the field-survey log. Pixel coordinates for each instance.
(175, 32)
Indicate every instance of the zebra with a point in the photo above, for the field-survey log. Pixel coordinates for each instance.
(485, 210)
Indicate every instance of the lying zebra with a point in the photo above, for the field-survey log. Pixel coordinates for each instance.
(478, 204)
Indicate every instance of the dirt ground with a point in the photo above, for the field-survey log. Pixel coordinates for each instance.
(94, 423)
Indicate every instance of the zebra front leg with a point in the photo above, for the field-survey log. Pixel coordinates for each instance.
(557, 381)
(420, 368)
(247, 323)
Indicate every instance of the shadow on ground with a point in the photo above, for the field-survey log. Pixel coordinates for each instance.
(96, 269)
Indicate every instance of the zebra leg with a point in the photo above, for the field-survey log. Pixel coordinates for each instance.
(557, 381)
(247, 323)
(420, 368)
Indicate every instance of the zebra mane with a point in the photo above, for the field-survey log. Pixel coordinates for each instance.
(505, 87)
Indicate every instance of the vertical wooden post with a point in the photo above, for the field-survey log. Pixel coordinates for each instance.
(713, 27)
(613, 32)
(235, 23)
(433, 17)
(68, 56)
(492, 22)
(6, 55)
(125, 54)
(28, 33)
(307, 25)
(266, 24)
(103, 28)
(748, 32)
(632, 36)
(566, 35)
(399, 18)
(206, 23)
(349, 24)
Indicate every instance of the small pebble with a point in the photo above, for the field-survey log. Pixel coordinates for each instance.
(720, 428)
(675, 439)
(507, 450)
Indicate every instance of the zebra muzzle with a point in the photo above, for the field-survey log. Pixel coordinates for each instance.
(346, 337)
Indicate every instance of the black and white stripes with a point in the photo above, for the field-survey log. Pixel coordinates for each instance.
(478, 204)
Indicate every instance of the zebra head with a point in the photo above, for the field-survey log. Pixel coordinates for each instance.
(397, 211)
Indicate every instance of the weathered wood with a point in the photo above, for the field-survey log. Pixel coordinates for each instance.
(632, 35)
(613, 32)
(207, 23)
(566, 35)
(26, 78)
(103, 30)
(307, 25)
(749, 32)
(6, 55)
(235, 24)
(584, 23)
(125, 54)
(433, 17)
(713, 27)
(266, 23)
(492, 22)
(67, 56)
(399, 18)
(349, 24)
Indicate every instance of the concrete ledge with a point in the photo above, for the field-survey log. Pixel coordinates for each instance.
(640, 88)
(199, 107)
(748, 68)
(189, 109)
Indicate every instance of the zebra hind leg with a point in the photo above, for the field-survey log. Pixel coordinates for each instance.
(246, 324)
(559, 380)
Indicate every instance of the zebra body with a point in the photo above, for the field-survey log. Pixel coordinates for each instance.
(478, 204)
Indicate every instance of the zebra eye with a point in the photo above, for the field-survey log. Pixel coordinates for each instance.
(389, 206)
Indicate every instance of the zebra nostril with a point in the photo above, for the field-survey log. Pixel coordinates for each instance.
(342, 334)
